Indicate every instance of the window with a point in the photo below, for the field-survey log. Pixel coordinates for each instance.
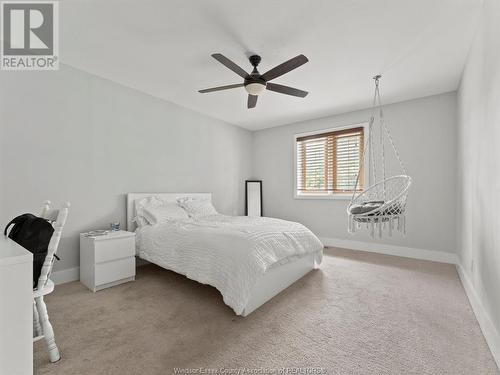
(327, 163)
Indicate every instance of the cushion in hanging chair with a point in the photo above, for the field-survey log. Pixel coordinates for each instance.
(365, 207)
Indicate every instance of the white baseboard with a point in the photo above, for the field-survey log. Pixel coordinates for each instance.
(65, 276)
(487, 327)
(400, 251)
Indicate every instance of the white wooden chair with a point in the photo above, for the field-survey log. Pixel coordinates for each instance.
(41, 324)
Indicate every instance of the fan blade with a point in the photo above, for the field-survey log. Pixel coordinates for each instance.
(252, 101)
(221, 88)
(285, 67)
(229, 64)
(286, 90)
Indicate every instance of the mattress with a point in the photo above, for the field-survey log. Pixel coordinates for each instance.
(230, 253)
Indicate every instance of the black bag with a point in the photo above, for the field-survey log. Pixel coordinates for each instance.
(34, 234)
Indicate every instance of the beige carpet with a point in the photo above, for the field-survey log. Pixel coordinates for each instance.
(360, 313)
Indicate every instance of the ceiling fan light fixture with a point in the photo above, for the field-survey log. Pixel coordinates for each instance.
(255, 83)
(255, 88)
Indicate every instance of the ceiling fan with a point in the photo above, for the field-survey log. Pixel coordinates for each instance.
(255, 83)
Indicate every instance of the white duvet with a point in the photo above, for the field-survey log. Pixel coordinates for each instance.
(230, 253)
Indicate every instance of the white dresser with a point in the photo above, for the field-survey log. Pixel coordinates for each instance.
(107, 260)
(16, 309)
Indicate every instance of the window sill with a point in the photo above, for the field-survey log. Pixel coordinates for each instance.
(338, 196)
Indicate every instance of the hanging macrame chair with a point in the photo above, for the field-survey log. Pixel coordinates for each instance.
(383, 203)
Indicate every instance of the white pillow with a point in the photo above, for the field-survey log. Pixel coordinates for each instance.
(197, 207)
(167, 211)
(140, 204)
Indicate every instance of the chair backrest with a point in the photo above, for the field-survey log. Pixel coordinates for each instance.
(58, 219)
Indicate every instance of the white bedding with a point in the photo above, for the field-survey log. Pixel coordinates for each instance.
(230, 253)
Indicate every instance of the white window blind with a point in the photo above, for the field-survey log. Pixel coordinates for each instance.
(328, 163)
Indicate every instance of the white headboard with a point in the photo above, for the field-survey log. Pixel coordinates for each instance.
(167, 197)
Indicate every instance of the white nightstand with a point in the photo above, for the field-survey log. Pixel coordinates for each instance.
(107, 260)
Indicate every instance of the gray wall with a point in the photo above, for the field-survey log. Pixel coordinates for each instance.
(425, 133)
(479, 166)
(71, 136)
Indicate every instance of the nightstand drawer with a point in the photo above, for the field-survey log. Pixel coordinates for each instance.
(115, 270)
(112, 249)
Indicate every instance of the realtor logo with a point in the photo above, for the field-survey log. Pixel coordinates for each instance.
(30, 35)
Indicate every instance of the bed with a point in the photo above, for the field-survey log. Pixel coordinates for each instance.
(249, 260)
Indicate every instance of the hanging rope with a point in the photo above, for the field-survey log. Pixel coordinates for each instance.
(388, 133)
(370, 137)
(365, 146)
(381, 114)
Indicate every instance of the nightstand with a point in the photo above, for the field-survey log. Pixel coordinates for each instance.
(107, 260)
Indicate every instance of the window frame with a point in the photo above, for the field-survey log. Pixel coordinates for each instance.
(329, 195)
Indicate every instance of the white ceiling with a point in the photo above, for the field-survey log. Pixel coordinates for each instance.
(163, 48)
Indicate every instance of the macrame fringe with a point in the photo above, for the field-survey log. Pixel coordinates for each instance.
(377, 225)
